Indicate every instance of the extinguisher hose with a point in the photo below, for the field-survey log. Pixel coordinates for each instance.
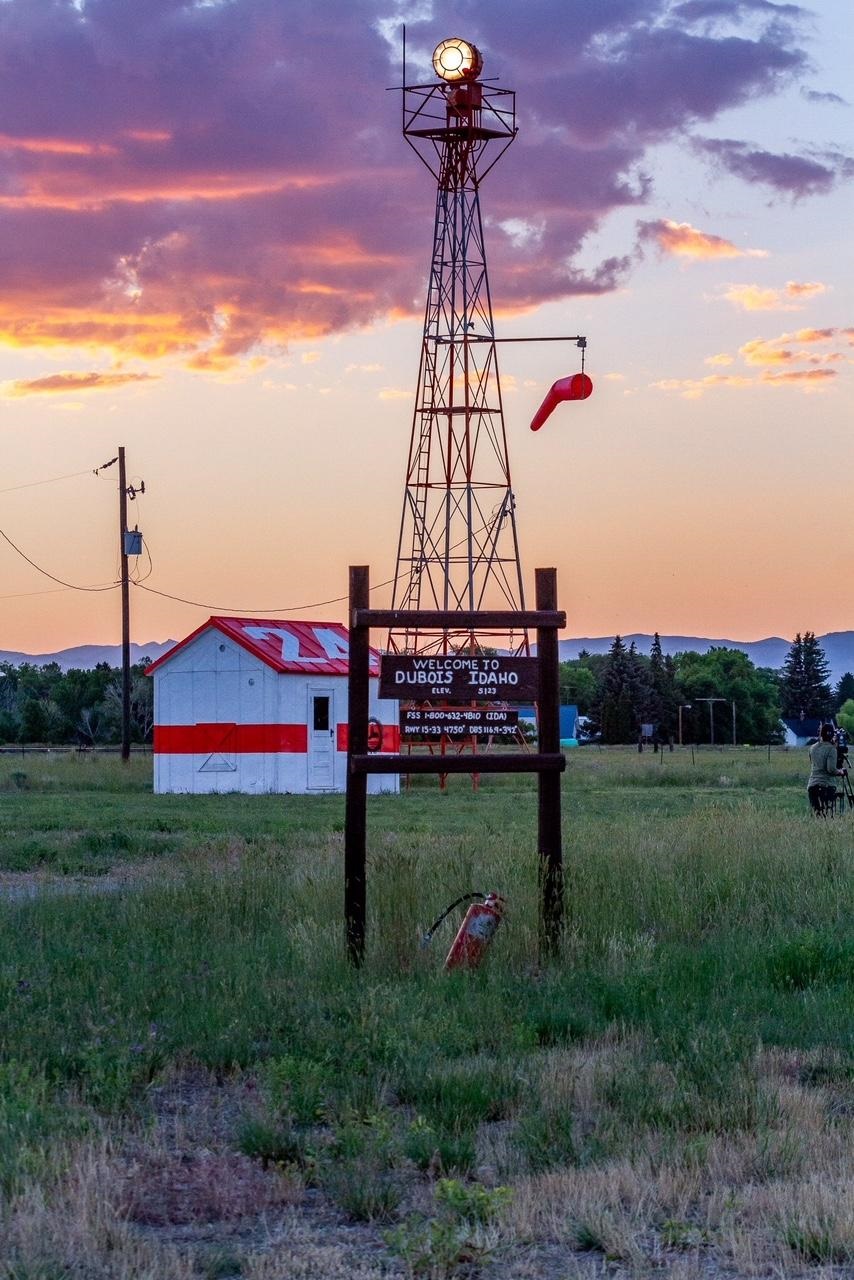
(466, 897)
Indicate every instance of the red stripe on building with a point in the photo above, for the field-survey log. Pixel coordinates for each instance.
(230, 739)
(391, 738)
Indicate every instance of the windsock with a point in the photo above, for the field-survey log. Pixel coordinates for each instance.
(577, 387)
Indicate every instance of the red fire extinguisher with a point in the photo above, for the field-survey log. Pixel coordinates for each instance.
(476, 931)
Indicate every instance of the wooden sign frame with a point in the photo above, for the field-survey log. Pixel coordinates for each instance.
(548, 762)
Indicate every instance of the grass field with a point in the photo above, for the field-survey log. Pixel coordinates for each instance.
(193, 1083)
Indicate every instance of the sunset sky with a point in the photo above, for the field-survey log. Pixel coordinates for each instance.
(213, 250)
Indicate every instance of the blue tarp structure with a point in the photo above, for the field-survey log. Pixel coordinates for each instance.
(568, 719)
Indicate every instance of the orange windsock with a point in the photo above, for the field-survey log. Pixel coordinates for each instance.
(577, 387)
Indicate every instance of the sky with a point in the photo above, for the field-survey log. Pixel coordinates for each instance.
(213, 251)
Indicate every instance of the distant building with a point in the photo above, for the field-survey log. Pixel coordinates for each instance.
(800, 733)
(248, 704)
(568, 719)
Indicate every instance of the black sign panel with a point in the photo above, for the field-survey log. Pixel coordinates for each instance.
(428, 723)
(458, 677)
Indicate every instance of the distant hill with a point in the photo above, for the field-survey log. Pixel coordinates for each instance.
(85, 656)
(771, 652)
(837, 645)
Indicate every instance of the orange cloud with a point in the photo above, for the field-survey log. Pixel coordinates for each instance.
(55, 146)
(752, 297)
(65, 382)
(685, 241)
(809, 335)
(763, 351)
(131, 332)
(149, 135)
(720, 358)
(693, 388)
(807, 289)
(92, 196)
(799, 375)
(771, 351)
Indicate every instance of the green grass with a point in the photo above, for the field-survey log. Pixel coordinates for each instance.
(709, 917)
(86, 814)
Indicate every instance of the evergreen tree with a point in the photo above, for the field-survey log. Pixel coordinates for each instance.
(664, 701)
(844, 690)
(618, 714)
(805, 680)
(792, 691)
(640, 691)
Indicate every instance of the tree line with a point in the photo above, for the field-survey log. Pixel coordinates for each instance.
(84, 707)
(618, 691)
(623, 690)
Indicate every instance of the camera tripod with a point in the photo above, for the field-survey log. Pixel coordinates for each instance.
(843, 798)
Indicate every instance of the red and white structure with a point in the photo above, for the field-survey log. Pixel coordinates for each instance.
(249, 704)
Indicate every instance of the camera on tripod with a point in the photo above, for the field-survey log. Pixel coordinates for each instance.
(840, 737)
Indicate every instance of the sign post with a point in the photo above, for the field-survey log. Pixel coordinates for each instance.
(466, 678)
(355, 811)
(550, 849)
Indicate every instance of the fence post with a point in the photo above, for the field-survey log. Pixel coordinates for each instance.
(549, 834)
(355, 814)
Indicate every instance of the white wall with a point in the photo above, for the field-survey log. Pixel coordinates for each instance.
(214, 680)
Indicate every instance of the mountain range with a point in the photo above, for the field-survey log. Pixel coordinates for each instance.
(85, 656)
(771, 652)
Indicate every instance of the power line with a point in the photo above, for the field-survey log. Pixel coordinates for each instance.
(33, 484)
(48, 591)
(298, 608)
(231, 608)
(71, 586)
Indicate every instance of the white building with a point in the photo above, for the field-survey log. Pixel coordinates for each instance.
(245, 704)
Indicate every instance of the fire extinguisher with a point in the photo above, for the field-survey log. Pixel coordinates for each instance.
(476, 931)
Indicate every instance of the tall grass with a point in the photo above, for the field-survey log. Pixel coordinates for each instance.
(708, 924)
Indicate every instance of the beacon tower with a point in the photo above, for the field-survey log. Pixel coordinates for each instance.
(458, 546)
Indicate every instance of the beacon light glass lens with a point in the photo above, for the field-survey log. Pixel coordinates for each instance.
(455, 60)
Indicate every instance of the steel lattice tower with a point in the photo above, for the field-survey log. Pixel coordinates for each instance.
(458, 546)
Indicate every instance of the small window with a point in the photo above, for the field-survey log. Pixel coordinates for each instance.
(321, 714)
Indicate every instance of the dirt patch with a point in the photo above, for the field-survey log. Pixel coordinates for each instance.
(27, 886)
(162, 1189)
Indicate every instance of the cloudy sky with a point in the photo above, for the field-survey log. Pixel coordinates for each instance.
(213, 249)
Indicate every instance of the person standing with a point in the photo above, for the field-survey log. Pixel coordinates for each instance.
(821, 787)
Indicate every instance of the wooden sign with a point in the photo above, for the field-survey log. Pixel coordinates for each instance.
(427, 724)
(458, 677)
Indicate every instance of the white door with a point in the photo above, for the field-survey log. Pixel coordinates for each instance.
(321, 740)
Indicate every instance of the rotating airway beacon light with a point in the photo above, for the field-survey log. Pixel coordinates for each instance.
(455, 60)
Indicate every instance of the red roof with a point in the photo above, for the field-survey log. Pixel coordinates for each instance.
(299, 648)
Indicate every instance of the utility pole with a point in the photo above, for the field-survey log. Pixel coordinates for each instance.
(123, 525)
(711, 702)
(126, 491)
(683, 706)
(733, 722)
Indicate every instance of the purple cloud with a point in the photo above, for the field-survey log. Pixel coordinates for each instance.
(700, 10)
(797, 176)
(813, 95)
(203, 180)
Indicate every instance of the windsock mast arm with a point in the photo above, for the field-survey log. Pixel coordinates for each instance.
(577, 338)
